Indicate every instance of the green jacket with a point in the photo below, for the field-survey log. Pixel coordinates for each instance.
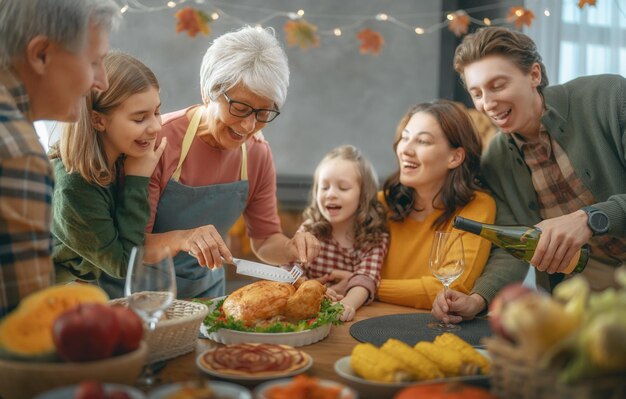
(94, 228)
(587, 117)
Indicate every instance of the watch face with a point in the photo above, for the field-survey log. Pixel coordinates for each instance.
(599, 222)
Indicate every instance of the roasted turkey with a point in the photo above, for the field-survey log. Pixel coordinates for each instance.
(265, 301)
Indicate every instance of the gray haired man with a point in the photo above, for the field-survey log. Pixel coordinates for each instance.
(51, 54)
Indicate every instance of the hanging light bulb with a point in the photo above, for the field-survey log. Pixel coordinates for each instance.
(171, 4)
(337, 32)
(382, 17)
(300, 13)
(546, 12)
(419, 31)
(214, 16)
(450, 17)
(124, 9)
(487, 21)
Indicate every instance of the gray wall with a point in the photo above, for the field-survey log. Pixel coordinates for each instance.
(336, 95)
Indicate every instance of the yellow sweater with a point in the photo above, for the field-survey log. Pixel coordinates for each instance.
(406, 277)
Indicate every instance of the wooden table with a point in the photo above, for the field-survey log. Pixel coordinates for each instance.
(325, 353)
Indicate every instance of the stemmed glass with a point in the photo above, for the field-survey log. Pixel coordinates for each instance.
(150, 289)
(447, 262)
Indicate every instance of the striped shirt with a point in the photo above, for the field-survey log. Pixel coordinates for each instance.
(560, 191)
(26, 186)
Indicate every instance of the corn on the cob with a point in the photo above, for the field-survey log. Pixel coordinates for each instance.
(447, 360)
(467, 351)
(373, 364)
(418, 365)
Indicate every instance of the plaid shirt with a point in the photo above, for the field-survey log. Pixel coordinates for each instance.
(560, 191)
(365, 265)
(26, 185)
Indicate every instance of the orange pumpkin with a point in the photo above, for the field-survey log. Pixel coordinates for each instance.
(443, 390)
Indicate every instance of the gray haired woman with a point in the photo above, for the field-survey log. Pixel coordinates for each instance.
(217, 166)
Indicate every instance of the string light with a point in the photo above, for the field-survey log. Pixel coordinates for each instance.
(356, 20)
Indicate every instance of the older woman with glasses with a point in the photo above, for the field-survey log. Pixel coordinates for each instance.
(217, 166)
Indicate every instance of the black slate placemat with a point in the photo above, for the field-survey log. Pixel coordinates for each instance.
(411, 328)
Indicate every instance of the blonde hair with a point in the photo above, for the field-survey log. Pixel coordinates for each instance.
(369, 221)
(80, 146)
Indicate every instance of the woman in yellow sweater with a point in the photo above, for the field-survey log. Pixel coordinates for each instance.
(438, 154)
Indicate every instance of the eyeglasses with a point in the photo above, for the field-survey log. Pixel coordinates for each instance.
(241, 110)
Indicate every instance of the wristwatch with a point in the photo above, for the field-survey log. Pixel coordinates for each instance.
(597, 220)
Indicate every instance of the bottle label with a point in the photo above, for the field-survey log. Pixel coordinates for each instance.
(572, 265)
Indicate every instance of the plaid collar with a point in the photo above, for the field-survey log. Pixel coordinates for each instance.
(15, 88)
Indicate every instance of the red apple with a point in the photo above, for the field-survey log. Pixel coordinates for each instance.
(508, 294)
(86, 332)
(131, 329)
(90, 389)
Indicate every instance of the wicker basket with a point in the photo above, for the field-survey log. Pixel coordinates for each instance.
(178, 333)
(517, 376)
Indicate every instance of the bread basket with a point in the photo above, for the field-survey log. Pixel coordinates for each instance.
(177, 333)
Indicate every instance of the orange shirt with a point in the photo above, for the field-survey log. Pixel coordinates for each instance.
(206, 165)
(406, 277)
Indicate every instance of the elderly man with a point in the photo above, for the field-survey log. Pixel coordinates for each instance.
(51, 54)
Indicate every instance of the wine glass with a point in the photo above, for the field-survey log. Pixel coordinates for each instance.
(447, 262)
(150, 289)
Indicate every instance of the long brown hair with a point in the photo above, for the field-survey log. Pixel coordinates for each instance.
(369, 220)
(461, 182)
(496, 40)
(80, 146)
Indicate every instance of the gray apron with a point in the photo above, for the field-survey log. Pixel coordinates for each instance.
(183, 207)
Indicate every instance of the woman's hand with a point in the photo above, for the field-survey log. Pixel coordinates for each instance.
(303, 247)
(145, 164)
(561, 238)
(206, 244)
(457, 306)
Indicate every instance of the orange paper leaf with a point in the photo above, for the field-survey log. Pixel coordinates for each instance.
(582, 3)
(301, 33)
(193, 21)
(371, 41)
(520, 16)
(459, 24)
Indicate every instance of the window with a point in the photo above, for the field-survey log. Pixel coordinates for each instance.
(576, 42)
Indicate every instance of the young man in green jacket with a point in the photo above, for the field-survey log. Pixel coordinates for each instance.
(560, 165)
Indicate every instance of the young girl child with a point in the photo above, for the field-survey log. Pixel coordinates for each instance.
(349, 221)
(102, 166)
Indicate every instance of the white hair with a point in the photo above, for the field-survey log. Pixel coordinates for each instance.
(251, 56)
(63, 21)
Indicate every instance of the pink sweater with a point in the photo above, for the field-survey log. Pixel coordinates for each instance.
(206, 165)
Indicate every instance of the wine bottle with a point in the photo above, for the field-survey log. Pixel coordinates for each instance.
(519, 241)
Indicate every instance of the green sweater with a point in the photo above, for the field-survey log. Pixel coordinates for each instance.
(94, 228)
(587, 117)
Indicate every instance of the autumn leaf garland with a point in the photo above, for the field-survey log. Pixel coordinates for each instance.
(193, 21)
(301, 33)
